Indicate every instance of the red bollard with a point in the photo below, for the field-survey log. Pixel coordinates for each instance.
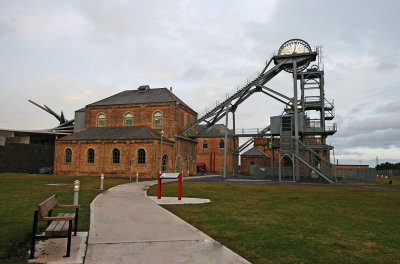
(159, 187)
(180, 186)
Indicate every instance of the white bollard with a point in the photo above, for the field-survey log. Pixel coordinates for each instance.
(77, 185)
(137, 176)
(102, 181)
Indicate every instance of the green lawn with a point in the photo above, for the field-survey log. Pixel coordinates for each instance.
(21, 193)
(296, 224)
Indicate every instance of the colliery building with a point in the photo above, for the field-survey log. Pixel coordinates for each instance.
(136, 131)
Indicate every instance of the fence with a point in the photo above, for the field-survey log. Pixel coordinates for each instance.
(356, 175)
(306, 174)
(389, 173)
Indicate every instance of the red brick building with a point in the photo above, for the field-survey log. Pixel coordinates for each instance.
(264, 145)
(210, 149)
(253, 157)
(124, 131)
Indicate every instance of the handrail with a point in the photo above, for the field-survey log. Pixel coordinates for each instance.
(309, 155)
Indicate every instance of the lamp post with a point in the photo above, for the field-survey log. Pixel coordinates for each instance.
(162, 134)
(77, 185)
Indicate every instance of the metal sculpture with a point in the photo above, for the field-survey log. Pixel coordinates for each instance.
(65, 127)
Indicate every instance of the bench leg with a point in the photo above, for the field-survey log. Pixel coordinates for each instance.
(76, 220)
(69, 238)
(34, 230)
(49, 215)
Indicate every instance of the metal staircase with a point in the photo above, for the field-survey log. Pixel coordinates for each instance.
(213, 114)
(314, 161)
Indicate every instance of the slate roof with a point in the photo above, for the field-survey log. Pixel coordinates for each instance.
(254, 152)
(115, 133)
(217, 130)
(153, 95)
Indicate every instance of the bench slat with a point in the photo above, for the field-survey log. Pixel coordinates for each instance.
(59, 228)
(46, 206)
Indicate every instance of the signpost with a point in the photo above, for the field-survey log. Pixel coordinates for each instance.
(170, 176)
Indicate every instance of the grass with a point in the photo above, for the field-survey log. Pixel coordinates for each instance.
(296, 224)
(21, 193)
(383, 181)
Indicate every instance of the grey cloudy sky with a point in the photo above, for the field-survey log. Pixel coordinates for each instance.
(67, 54)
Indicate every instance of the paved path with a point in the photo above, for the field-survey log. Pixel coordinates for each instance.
(126, 226)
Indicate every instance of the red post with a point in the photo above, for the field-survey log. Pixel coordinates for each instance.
(159, 187)
(180, 186)
(214, 162)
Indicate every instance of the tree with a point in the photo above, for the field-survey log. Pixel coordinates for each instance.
(388, 166)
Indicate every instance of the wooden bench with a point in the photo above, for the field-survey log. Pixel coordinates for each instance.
(58, 226)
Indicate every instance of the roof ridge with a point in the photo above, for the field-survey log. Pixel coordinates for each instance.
(76, 132)
(151, 132)
(108, 97)
(171, 94)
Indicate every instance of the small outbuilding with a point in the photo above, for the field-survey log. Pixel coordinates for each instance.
(252, 157)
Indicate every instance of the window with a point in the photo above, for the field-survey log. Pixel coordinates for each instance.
(101, 120)
(128, 120)
(115, 156)
(141, 156)
(90, 155)
(157, 120)
(222, 144)
(68, 155)
(164, 164)
(205, 144)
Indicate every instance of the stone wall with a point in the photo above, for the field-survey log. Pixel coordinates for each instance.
(25, 158)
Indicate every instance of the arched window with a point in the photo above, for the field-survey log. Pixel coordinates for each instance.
(157, 120)
(222, 144)
(68, 155)
(141, 156)
(205, 144)
(115, 156)
(90, 155)
(128, 119)
(164, 164)
(101, 120)
(178, 164)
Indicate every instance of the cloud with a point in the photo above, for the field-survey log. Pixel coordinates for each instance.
(71, 53)
(59, 92)
(29, 20)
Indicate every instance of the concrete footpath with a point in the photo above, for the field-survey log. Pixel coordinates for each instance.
(126, 226)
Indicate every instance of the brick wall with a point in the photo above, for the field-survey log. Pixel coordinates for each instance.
(263, 144)
(128, 151)
(174, 117)
(203, 155)
(246, 160)
(103, 158)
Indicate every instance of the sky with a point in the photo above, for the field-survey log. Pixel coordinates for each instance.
(67, 54)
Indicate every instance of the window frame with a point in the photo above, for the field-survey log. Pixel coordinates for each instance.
(155, 122)
(223, 144)
(103, 120)
(164, 167)
(205, 144)
(68, 154)
(89, 159)
(131, 119)
(141, 156)
(116, 156)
